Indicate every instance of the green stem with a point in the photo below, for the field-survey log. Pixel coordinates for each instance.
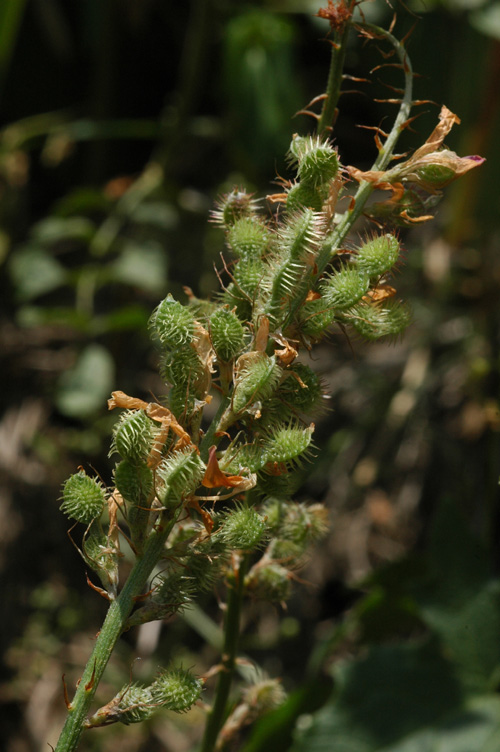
(228, 662)
(112, 627)
(334, 241)
(328, 113)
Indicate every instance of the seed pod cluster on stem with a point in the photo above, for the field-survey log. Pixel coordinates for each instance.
(207, 503)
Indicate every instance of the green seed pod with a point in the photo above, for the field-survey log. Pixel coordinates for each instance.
(300, 235)
(234, 206)
(180, 473)
(274, 510)
(375, 321)
(314, 318)
(182, 402)
(136, 704)
(135, 483)
(173, 593)
(303, 524)
(243, 529)
(100, 556)
(257, 376)
(344, 288)
(227, 334)
(287, 443)
(264, 696)
(317, 161)
(269, 582)
(304, 195)
(176, 689)
(172, 323)
(183, 367)
(302, 388)
(249, 238)
(378, 255)
(206, 562)
(132, 704)
(133, 436)
(83, 498)
(281, 486)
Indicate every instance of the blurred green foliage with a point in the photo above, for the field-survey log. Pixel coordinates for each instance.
(120, 123)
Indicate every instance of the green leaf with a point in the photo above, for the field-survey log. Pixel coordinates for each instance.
(35, 272)
(83, 390)
(56, 229)
(383, 699)
(141, 265)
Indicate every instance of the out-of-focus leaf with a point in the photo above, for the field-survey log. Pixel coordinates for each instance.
(55, 229)
(383, 699)
(460, 601)
(141, 265)
(81, 201)
(83, 389)
(487, 20)
(129, 318)
(69, 317)
(156, 213)
(35, 272)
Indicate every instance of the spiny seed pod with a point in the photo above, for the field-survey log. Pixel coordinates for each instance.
(287, 552)
(172, 323)
(317, 161)
(248, 238)
(344, 288)
(274, 510)
(264, 696)
(376, 321)
(314, 318)
(133, 436)
(132, 704)
(100, 556)
(206, 562)
(282, 485)
(176, 689)
(183, 367)
(173, 593)
(243, 529)
(134, 482)
(182, 402)
(287, 443)
(302, 388)
(300, 234)
(303, 195)
(136, 704)
(180, 473)
(269, 582)
(378, 255)
(304, 523)
(234, 206)
(227, 334)
(257, 376)
(83, 498)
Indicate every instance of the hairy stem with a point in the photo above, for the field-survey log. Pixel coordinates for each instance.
(112, 627)
(334, 241)
(228, 662)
